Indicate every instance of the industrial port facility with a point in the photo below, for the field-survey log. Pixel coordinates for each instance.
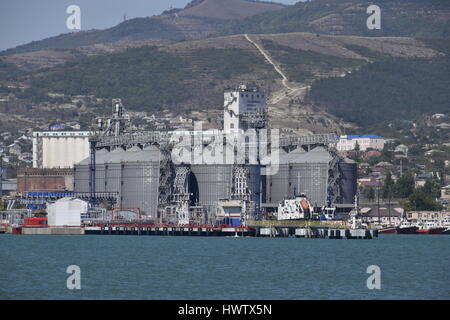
(138, 169)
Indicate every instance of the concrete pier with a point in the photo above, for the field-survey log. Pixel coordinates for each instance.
(269, 232)
(53, 231)
(167, 231)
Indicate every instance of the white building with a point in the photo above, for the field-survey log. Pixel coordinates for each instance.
(241, 106)
(59, 149)
(367, 141)
(401, 148)
(66, 212)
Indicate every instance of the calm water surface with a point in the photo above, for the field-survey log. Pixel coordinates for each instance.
(153, 267)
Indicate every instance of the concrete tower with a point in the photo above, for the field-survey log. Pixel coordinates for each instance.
(244, 108)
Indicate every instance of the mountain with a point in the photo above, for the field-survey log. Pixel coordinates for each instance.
(198, 20)
(189, 77)
(399, 18)
(207, 18)
(317, 81)
(389, 90)
(228, 9)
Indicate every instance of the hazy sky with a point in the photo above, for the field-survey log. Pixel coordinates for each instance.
(23, 21)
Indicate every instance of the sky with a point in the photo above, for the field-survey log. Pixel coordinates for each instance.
(23, 21)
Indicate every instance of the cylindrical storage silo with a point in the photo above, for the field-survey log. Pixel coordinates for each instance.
(308, 174)
(278, 184)
(140, 180)
(214, 182)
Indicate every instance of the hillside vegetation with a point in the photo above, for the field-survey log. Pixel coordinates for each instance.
(400, 18)
(189, 77)
(210, 18)
(146, 78)
(306, 65)
(387, 90)
(199, 19)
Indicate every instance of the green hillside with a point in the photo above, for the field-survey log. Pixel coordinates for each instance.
(301, 65)
(134, 29)
(146, 78)
(402, 18)
(387, 90)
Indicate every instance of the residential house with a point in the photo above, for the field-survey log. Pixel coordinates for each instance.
(368, 141)
(383, 216)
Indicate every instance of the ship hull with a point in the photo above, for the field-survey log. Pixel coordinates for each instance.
(407, 230)
(388, 231)
(436, 231)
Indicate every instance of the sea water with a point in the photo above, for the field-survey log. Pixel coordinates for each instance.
(156, 267)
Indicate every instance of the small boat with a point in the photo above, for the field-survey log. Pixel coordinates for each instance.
(430, 228)
(406, 227)
(438, 230)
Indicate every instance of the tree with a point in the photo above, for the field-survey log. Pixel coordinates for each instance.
(405, 185)
(388, 186)
(370, 193)
(432, 188)
(419, 200)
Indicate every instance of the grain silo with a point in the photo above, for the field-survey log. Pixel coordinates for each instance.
(214, 182)
(133, 175)
(82, 171)
(301, 172)
(140, 180)
(277, 184)
(308, 174)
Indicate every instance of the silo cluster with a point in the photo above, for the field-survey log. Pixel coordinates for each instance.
(133, 175)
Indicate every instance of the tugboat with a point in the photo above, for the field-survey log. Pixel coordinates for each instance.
(430, 228)
(406, 227)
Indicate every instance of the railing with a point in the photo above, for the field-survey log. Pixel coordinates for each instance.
(165, 138)
(299, 223)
